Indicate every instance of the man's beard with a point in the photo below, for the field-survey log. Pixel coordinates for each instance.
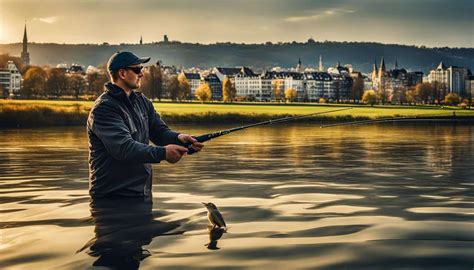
(132, 85)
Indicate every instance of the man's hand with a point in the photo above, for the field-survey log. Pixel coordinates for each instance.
(185, 138)
(174, 152)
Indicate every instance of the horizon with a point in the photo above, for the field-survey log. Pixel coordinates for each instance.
(236, 43)
(430, 23)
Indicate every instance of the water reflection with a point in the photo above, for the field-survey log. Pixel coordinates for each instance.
(215, 233)
(296, 196)
(122, 227)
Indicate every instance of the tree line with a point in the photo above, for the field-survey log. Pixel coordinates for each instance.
(435, 93)
(49, 82)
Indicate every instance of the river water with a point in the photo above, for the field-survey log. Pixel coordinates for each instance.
(387, 196)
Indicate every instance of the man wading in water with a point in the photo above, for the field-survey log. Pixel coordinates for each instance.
(119, 128)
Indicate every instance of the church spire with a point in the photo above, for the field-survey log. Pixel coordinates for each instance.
(374, 73)
(382, 66)
(298, 67)
(25, 36)
(321, 67)
(25, 55)
(141, 40)
(375, 67)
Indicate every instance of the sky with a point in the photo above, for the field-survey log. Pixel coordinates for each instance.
(433, 23)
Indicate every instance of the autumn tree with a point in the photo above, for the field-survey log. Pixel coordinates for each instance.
(452, 99)
(443, 90)
(277, 88)
(357, 89)
(369, 97)
(436, 92)
(77, 85)
(203, 93)
(34, 82)
(95, 83)
(410, 96)
(4, 91)
(228, 90)
(172, 86)
(91, 79)
(152, 83)
(424, 92)
(382, 96)
(184, 87)
(290, 94)
(56, 81)
(398, 95)
(337, 90)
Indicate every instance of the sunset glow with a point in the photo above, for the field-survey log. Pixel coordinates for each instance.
(211, 21)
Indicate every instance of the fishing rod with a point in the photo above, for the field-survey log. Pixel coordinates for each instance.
(210, 136)
(429, 117)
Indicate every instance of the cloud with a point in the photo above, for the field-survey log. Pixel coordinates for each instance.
(320, 15)
(49, 20)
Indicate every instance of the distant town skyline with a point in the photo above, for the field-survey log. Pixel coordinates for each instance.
(431, 23)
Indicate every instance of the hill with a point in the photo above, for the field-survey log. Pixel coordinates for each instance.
(258, 56)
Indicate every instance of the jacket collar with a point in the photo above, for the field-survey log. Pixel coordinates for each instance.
(118, 93)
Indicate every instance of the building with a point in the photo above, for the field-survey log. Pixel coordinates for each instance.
(277, 84)
(319, 85)
(299, 67)
(397, 78)
(215, 84)
(470, 86)
(169, 70)
(253, 86)
(296, 81)
(382, 82)
(368, 84)
(414, 78)
(453, 77)
(194, 80)
(76, 69)
(222, 72)
(342, 82)
(25, 55)
(10, 80)
(374, 76)
(390, 81)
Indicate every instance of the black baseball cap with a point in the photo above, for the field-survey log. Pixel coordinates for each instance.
(124, 59)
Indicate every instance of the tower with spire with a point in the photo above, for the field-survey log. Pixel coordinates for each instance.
(375, 75)
(141, 40)
(25, 55)
(383, 80)
(382, 69)
(321, 67)
(298, 67)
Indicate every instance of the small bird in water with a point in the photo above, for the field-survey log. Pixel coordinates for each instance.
(214, 215)
(214, 235)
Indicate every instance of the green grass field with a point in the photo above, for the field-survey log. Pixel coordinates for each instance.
(57, 112)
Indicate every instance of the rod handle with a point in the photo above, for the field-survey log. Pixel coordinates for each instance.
(200, 139)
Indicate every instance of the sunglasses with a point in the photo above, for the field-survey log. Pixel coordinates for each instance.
(136, 70)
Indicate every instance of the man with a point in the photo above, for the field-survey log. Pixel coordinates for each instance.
(119, 128)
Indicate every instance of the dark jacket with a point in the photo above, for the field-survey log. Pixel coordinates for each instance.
(119, 129)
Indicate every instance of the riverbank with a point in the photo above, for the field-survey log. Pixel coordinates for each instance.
(43, 113)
